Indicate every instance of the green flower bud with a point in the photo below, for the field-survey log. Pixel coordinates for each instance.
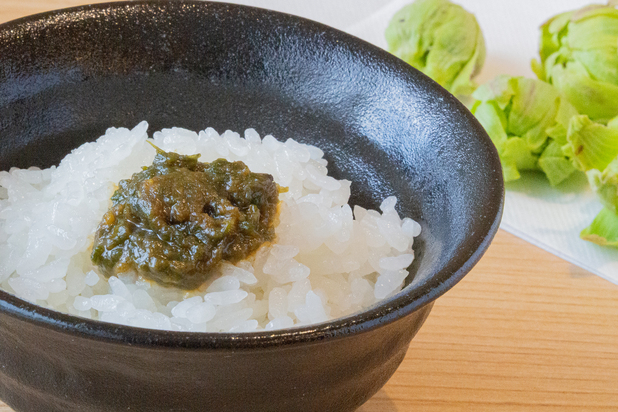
(527, 120)
(442, 40)
(579, 56)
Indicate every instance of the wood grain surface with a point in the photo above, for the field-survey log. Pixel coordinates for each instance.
(524, 331)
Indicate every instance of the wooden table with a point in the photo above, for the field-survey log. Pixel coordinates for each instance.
(524, 331)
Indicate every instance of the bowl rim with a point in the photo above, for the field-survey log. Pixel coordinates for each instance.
(386, 311)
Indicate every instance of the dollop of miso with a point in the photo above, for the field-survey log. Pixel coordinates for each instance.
(174, 221)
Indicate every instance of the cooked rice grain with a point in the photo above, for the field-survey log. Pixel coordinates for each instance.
(328, 260)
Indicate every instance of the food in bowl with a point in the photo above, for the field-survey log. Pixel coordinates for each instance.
(177, 219)
(65, 245)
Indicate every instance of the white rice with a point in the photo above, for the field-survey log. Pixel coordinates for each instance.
(328, 260)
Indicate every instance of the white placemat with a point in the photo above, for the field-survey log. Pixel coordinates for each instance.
(550, 218)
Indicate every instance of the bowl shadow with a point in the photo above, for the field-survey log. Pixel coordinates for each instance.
(381, 402)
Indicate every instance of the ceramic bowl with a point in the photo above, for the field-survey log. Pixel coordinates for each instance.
(66, 76)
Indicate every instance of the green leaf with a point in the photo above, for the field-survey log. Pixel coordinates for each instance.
(601, 64)
(501, 90)
(538, 69)
(591, 145)
(515, 157)
(493, 121)
(603, 230)
(534, 108)
(463, 85)
(556, 167)
(599, 100)
(551, 34)
(513, 151)
(605, 185)
(558, 131)
(593, 27)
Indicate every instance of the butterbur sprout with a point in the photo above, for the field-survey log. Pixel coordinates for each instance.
(528, 121)
(442, 40)
(579, 56)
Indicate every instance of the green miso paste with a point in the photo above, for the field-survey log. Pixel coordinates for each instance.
(174, 221)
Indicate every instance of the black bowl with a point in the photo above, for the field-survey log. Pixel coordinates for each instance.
(65, 76)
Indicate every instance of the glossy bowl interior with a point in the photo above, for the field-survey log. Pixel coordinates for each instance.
(66, 76)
